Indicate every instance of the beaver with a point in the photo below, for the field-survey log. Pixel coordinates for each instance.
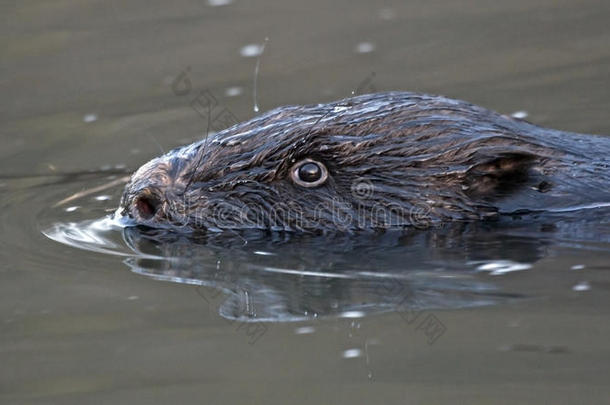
(392, 160)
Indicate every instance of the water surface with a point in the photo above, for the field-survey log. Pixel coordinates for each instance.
(513, 312)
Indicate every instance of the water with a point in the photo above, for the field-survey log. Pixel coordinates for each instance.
(91, 312)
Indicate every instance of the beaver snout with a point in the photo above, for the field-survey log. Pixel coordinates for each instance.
(146, 205)
(149, 191)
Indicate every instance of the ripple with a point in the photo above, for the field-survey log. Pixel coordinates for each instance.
(288, 277)
(28, 210)
(499, 267)
(96, 235)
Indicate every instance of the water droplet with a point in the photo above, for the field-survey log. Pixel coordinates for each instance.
(102, 198)
(233, 91)
(386, 14)
(351, 353)
(90, 118)
(365, 47)
(341, 108)
(218, 3)
(263, 253)
(577, 267)
(304, 330)
(351, 314)
(582, 286)
(72, 209)
(251, 50)
(520, 114)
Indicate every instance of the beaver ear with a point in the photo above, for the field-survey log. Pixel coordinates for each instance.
(499, 176)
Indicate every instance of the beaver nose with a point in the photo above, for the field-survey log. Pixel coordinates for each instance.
(147, 205)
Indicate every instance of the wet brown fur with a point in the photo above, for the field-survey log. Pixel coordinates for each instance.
(395, 160)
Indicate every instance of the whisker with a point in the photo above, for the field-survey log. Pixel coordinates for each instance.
(202, 152)
(93, 190)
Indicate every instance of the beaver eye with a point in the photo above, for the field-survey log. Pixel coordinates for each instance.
(309, 173)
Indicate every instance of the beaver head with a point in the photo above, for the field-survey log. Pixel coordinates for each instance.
(378, 161)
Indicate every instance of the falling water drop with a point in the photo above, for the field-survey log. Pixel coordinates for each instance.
(256, 70)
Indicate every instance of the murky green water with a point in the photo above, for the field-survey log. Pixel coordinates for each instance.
(462, 314)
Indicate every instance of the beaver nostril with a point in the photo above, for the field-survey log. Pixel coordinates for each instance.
(147, 206)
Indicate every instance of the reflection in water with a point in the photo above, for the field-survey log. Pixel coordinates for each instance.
(289, 278)
(257, 276)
